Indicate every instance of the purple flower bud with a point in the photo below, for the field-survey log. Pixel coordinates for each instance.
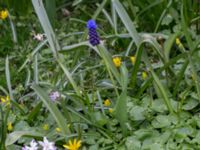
(54, 96)
(93, 36)
(91, 24)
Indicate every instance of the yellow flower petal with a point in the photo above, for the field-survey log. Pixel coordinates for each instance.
(3, 14)
(45, 127)
(9, 126)
(70, 143)
(79, 144)
(178, 42)
(58, 130)
(75, 145)
(133, 59)
(117, 61)
(107, 102)
(3, 100)
(110, 110)
(144, 75)
(66, 146)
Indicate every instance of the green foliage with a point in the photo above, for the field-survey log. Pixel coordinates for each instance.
(62, 81)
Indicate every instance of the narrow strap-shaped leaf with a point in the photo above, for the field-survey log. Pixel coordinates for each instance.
(127, 21)
(59, 118)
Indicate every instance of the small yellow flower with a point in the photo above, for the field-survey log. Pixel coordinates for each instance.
(144, 75)
(133, 59)
(73, 145)
(5, 100)
(45, 127)
(117, 61)
(9, 126)
(58, 130)
(110, 110)
(107, 102)
(178, 42)
(3, 14)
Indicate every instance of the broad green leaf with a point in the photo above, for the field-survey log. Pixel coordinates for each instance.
(14, 136)
(133, 142)
(162, 92)
(137, 113)
(190, 104)
(161, 121)
(121, 111)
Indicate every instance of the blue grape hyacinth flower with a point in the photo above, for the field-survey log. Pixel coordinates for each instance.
(93, 36)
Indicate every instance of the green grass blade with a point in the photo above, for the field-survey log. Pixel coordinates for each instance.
(59, 118)
(121, 111)
(108, 60)
(36, 79)
(163, 15)
(42, 16)
(8, 81)
(168, 45)
(127, 21)
(32, 54)
(16, 135)
(162, 91)
(34, 112)
(69, 77)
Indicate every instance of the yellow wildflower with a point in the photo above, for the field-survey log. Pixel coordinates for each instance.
(110, 110)
(45, 127)
(133, 59)
(117, 61)
(178, 42)
(3, 14)
(73, 145)
(9, 126)
(107, 102)
(58, 130)
(5, 100)
(144, 75)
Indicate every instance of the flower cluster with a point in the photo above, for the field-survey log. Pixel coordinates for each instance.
(93, 36)
(45, 144)
(38, 37)
(3, 14)
(54, 96)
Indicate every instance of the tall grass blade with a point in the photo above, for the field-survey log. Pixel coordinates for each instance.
(42, 16)
(8, 81)
(162, 91)
(59, 118)
(127, 21)
(69, 77)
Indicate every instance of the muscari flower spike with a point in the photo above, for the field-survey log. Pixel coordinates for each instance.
(93, 36)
